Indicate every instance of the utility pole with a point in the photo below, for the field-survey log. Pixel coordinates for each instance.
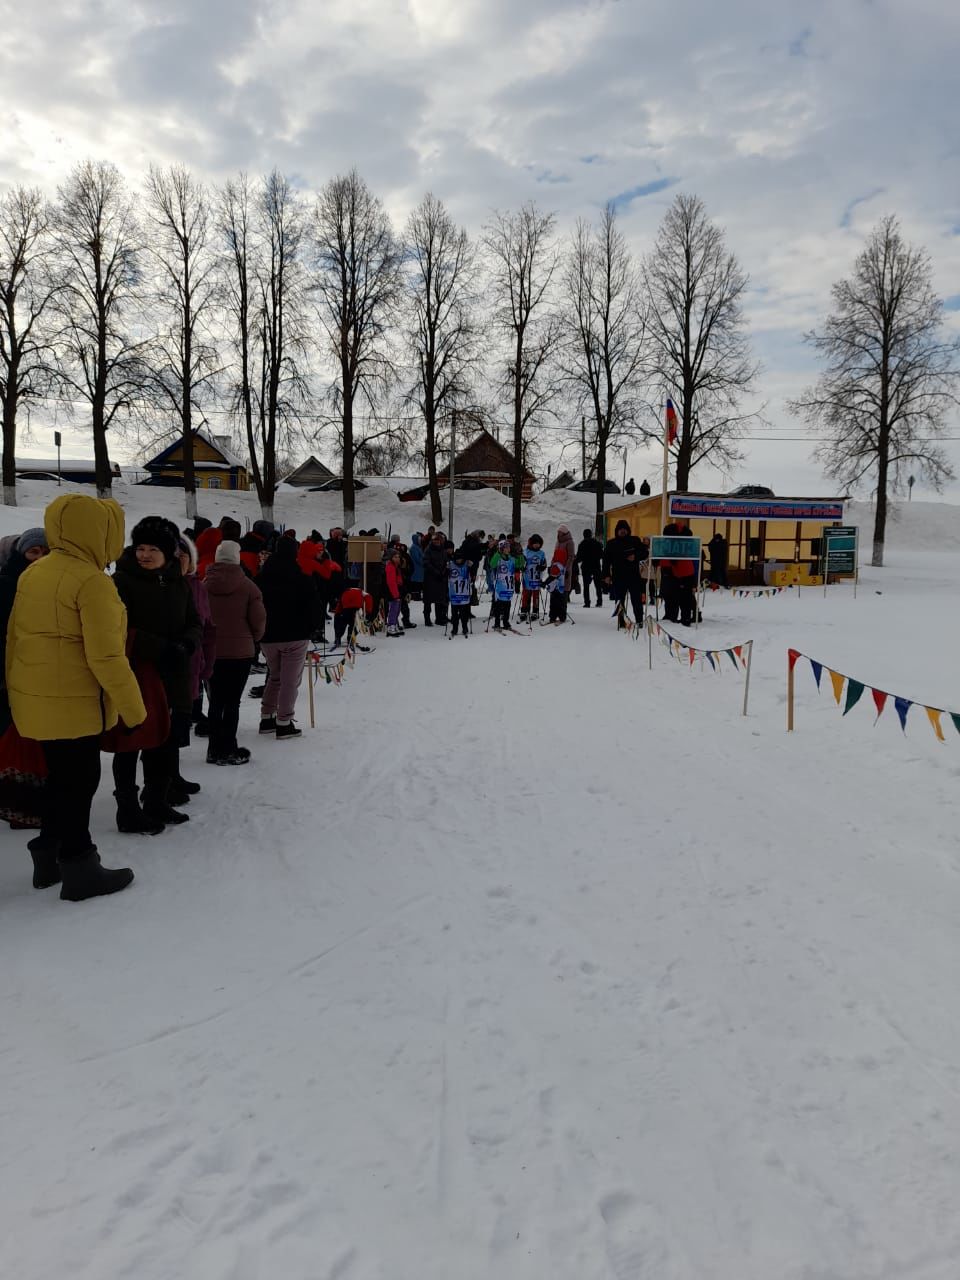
(583, 446)
(910, 484)
(58, 440)
(453, 455)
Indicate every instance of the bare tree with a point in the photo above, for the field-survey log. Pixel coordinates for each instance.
(359, 287)
(604, 333)
(101, 247)
(281, 327)
(444, 332)
(700, 353)
(891, 374)
(524, 259)
(184, 353)
(239, 265)
(28, 284)
(262, 231)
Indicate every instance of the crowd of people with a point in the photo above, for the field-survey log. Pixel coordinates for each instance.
(132, 663)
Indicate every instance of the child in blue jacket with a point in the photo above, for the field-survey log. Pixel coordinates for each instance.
(459, 588)
(534, 563)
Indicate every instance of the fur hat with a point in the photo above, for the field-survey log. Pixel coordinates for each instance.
(30, 539)
(156, 531)
(228, 553)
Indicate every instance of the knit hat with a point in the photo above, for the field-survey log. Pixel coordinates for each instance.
(155, 531)
(230, 529)
(30, 539)
(228, 553)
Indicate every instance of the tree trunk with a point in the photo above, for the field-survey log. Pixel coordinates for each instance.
(101, 458)
(430, 421)
(601, 481)
(515, 517)
(9, 455)
(349, 491)
(266, 510)
(880, 516)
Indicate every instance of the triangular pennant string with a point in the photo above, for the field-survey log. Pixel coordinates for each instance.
(903, 705)
(693, 654)
(817, 668)
(733, 658)
(713, 665)
(792, 656)
(933, 715)
(879, 701)
(956, 720)
(854, 693)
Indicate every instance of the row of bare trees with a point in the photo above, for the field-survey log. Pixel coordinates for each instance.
(297, 320)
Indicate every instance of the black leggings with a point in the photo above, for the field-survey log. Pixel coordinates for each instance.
(73, 775)
(160, 764)
(226, 689)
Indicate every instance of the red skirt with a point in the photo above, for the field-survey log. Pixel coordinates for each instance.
(23, 776)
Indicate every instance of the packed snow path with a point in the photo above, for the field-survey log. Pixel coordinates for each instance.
(529, 963)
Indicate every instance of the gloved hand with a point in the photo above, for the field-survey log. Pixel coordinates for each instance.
(174, 654)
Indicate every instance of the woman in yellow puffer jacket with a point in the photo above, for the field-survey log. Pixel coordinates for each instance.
(69, 680)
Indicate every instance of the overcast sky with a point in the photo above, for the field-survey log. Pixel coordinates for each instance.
(799, 122)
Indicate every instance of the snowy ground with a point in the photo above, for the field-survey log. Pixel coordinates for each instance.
(530, 963)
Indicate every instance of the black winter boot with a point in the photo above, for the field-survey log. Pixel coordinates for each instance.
(46, 869)
(157, 807)
(84, 877)
(131, 819)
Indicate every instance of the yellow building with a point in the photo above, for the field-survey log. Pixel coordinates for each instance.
(215, 466)
(770, 540)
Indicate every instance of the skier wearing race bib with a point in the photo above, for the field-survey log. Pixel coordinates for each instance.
(534, 563)
(504, 567)
(459, 587)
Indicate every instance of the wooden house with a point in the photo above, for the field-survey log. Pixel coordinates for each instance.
(486, 460)
(215, 465)
(309, 473)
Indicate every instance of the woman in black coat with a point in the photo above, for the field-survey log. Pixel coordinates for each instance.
(624, 558)
(165, 631)
(293, 609)
(435, 559)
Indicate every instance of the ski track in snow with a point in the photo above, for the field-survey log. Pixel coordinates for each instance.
(529, 962)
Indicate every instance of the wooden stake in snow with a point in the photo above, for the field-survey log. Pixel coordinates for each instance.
(790, 665)
(746, 683)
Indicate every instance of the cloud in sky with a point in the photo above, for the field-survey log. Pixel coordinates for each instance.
(798, 123)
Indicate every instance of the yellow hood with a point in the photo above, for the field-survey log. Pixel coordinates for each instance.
(89, 528)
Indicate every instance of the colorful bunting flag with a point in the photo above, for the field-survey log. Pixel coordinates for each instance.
(854, 692)
(817, 668)
(879, 701)
(903, 705)
(956, 720)
(933, 715)
(836, 679)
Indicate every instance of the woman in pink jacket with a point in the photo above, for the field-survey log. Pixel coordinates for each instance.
(394, 592)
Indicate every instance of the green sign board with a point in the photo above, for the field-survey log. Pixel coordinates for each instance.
(674, 548)
(840, 550)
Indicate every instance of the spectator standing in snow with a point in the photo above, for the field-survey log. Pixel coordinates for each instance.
(719, 551)
(291, 605)
(678, 579)
(435, 580)
(22, 768)
(394, 584)
(590, 560)
(556, 590)
(201, 664)
(416, 570)
(166, 633)
(565, 554)
(623, 559)
(239, 617)
(68, 678)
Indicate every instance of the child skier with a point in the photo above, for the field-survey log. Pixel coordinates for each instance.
(534, 563)
(556, 586)
(345, 613)
(459, 587)
(504, 567)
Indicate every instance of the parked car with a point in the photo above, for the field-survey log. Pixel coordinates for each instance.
(37, 475)
(752, 491)
(335, 485)
(421, 491)
(590, 486)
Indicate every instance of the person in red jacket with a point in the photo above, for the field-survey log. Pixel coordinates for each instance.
(394, 593)
(208, 541)
(345, 612)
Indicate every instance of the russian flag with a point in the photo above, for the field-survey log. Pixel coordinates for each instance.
(672, 428)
